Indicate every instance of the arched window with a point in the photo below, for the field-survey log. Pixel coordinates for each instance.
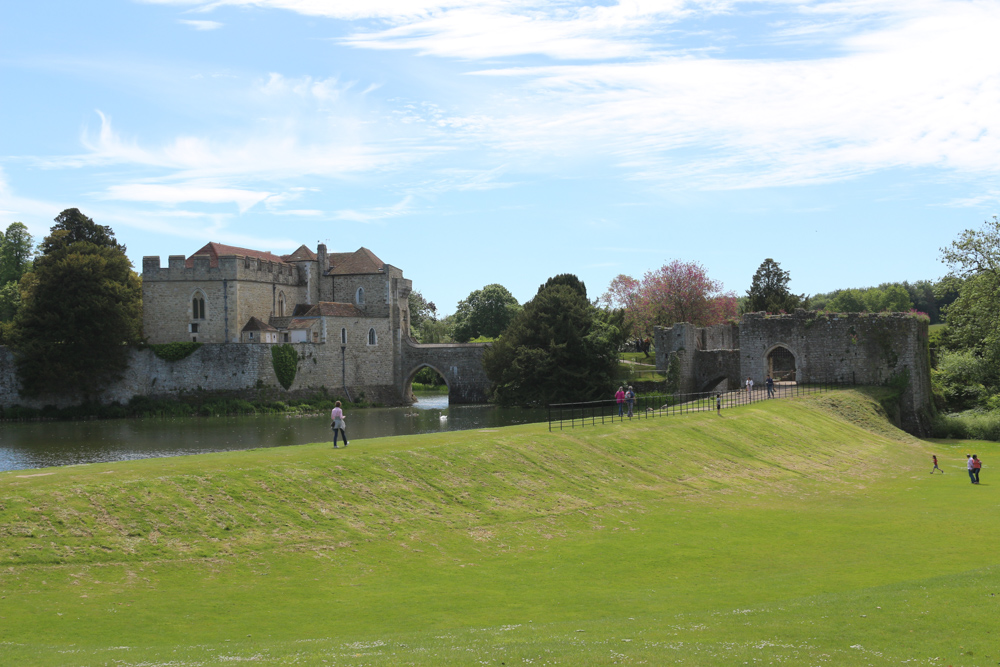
(198, 306)
(372, 338)
(281, 304)
(343, 336)
(359, 296)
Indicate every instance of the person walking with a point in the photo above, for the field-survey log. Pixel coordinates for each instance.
(770, 387)
(337, 424)
(718, 404)
(976, 465)
(620, 400)
(968, 465)
(935, 465)
(630, 399)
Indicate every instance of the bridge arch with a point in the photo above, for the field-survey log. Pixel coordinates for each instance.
(461, 366)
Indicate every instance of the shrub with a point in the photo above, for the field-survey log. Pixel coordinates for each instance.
(174, 351)
(285, 360)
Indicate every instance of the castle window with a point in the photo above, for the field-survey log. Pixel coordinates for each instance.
(359, 296)
(281, 304)
(372, 338)
(343, 336)
(198, 307)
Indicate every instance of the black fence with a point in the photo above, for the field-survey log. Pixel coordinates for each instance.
(591, 413)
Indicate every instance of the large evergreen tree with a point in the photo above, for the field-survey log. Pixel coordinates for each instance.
(558, 348)
(769, 290)
(82, 307)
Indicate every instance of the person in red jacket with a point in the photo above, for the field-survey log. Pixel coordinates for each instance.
(935, 465)
(976, 465)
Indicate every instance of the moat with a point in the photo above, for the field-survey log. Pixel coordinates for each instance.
(44, 444)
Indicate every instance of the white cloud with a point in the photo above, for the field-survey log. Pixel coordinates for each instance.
(377, 213)
(176, 194)
(202, 25)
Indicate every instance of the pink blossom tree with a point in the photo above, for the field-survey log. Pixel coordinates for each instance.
(675, 292)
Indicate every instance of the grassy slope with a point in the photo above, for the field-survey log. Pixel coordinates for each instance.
(805, 531)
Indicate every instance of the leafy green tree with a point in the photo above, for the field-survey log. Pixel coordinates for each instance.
(420, 310)
(558, 348)
(10, 301)
(16, 252)
(769, 290)
(82, 307)
(485, 312)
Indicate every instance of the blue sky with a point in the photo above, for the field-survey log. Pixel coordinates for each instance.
(507, 141)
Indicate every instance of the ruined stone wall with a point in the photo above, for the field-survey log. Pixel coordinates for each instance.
(853, 348)
(856, 348)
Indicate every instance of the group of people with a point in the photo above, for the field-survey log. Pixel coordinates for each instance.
(769, 383)
(972, 463)
(625, 397)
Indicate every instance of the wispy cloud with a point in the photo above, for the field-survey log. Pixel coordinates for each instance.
(376, 213)
(201, 25)
(176, 194)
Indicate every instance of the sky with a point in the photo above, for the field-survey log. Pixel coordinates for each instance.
(506, 141)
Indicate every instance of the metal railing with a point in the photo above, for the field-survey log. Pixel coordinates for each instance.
(591, 413)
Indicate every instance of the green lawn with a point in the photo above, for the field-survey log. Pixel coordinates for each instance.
(803, 531)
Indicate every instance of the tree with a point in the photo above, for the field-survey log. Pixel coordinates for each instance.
(72, 226)
(82, 307)
(485, 312)
(10, 301)
(16, 252)
(420, 311)
(558, 348)
(676, 292)
(769, 290)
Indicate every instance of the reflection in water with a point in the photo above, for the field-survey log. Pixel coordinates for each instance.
(44, 444)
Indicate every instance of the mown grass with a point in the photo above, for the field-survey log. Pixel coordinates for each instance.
(803, 531)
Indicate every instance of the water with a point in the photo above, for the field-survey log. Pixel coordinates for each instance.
(44, 444)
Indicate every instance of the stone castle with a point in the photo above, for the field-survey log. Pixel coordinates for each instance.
(346, 314)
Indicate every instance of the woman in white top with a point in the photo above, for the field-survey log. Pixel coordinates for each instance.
(337, 424)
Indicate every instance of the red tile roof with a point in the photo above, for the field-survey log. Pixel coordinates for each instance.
(361, 260)
(334, 309)
(301, 324)
(300, 254)
(215, 250)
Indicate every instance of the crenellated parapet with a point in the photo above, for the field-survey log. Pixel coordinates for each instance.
(228, 267)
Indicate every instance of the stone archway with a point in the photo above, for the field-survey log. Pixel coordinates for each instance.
(408, 384)
(781, 364)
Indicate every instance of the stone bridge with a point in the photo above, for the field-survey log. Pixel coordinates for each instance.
(461, 366)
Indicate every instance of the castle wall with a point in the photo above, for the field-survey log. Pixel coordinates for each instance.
(856, 348)
(853, 348)
(236, 290)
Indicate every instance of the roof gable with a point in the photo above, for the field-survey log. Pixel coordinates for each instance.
(302, 253)
(255, 324)
(215, 250)
(361, 260)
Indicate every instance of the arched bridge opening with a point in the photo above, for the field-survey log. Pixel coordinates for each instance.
(425, 380)
(459, 365)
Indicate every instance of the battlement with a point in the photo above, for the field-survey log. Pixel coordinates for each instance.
(230, 267)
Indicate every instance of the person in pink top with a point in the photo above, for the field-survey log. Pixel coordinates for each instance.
(337, 424)
(620, 400)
